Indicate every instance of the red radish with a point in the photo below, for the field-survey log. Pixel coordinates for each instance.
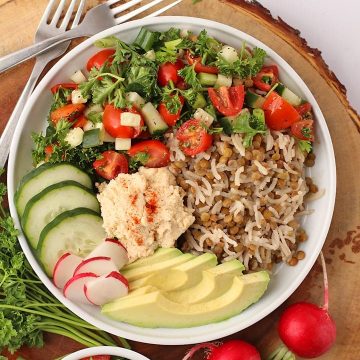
(230, 350)
(99, 265)
(64, 269)
(74, 288)
(306, 329)
(106, 288)
(113, 249)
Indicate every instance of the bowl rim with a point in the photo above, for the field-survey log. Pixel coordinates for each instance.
(105, 350)
(214, 331)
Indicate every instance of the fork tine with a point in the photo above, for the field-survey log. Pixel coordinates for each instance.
(67, 17)
(58, 12)
(47, 12)
(165, 8)
(124, 7)
(138, 11)
(111, 2)
(78, 13)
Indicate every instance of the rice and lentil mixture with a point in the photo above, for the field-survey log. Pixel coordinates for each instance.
(247, 202)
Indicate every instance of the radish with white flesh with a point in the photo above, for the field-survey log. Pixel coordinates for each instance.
(106, 288)
(74, 288)
(307, 329)
(64, 269)
(113, 249)
(99, 265)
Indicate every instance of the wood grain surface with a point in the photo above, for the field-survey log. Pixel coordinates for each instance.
(18, 22)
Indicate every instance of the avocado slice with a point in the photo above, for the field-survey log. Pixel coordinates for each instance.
(143, 271)
(179, 277)
(155, 310)
(160, 254)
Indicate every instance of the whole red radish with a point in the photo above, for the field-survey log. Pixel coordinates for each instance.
(230, 350)
(307, 329)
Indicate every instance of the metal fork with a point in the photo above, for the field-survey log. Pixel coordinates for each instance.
(44, 31)
(97, 19)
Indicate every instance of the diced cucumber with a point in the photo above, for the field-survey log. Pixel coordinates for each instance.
(229, 54)
(130, 119)
(150, 55)
(76, 231)
(146, 39)
(206, 79)
(223, 80)
(78, 77)
(77, 98)
(74, 137)
(92, 138)
(227, 124)
(288, 95)
(52, 201)
(199, 102)
(122, 144)
(254, 100)
(153, 119)
(45, 175)
(204, 117)
(135, 99)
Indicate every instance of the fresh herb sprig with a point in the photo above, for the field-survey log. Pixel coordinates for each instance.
(27, 309)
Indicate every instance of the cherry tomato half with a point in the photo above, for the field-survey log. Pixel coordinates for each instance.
(111, 164)
(100, 58)
(279, 114)
(170, 118)
(199, 67)
(169, 72)
(303, 108)
(98, 357)
(266, 78)
(303, 130)
(193, 137)
(227, 100)
(80, 122)
(112, 125)
(159, 154)
(56, 87)
(69, 112)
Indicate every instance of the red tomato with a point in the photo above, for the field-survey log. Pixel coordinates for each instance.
(303, 129)
(159, 154)
(279, 114)
(199, 67)
(56, 87)
(98, 357)
(100, 58)
(193, 137)
(49, 149)
(227, 100)
(170, 118)
(69, 112)
(111, 121)
(169, 72)
(303, 108)
(266, 78)
(181, 84)
(80, 122)
(111, 164)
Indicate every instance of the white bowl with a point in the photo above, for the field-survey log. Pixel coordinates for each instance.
(285, 279)
(105, 350)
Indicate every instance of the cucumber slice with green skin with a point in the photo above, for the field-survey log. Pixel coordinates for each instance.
(52, 201)
(92, 138)
(207, 79)
(153, 119)
(227, 124)
(254, 100)
(199, 102)
(45, 175)
(288, 95)
(76, 231)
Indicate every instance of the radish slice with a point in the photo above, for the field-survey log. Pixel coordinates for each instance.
(64, 269)
(99, 265)
(113, 249)
(74, 288)
(104, 289)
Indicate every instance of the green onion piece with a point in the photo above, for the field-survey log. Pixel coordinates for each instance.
(145, 39)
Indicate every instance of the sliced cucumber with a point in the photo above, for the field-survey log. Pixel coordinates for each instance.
(153, 119)
(288, 95)
(76, 231)
(92, 138)
(52, 201)
(199, 102)
(223, 80)
(227, 124)
(254, 100)
(207, 79)
(45, 175)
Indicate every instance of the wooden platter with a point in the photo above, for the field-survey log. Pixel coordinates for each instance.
(342, 248)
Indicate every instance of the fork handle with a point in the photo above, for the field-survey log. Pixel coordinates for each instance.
(17, 57)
